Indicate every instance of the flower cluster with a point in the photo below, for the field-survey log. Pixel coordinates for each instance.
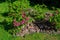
(25, 19)
(15, 23)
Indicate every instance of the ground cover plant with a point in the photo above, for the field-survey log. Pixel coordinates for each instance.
(16, 15)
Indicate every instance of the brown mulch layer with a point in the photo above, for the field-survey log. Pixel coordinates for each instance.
(37, 27)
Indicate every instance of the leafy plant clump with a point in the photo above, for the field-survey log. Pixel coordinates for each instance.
(15, 14)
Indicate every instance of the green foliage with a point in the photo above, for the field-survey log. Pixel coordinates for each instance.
(11, 9)
(4, 35)
(40, 11)
(4, 7)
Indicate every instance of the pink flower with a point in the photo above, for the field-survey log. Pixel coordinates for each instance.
(23, 21)
(27, 18)
(23, 16)
(16, 23)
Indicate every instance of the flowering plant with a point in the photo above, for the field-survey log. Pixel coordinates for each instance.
(21, 22)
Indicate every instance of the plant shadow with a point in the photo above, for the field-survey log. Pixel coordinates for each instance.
(1, 1)
(7, 26)
(48, 3)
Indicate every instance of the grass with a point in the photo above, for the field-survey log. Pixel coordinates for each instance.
(36, 36)
(39, 36)
(4, 35)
